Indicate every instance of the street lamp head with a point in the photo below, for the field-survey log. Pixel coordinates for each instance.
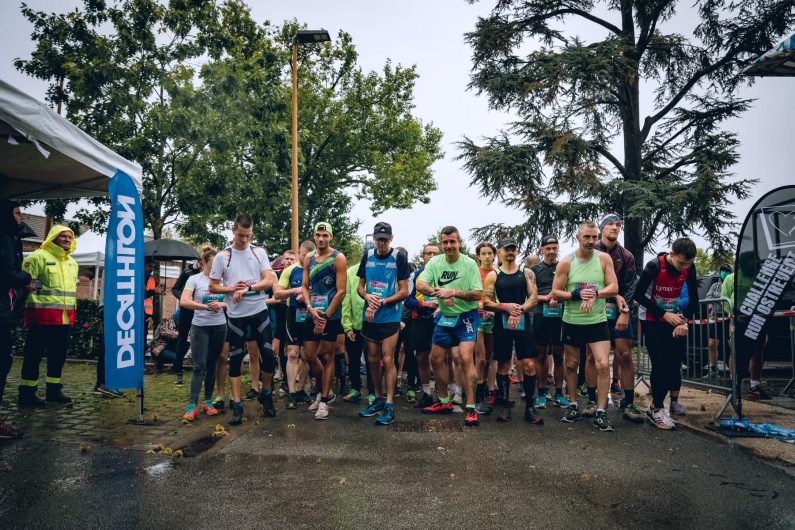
(311, 36)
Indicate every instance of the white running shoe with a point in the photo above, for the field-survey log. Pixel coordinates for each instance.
(315, 404)
(278, 375)
(457, 399)
(322, 411)
(661, 420)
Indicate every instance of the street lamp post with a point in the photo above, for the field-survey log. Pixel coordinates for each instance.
(302, 37)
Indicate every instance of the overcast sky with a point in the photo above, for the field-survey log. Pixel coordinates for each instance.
(430, 35)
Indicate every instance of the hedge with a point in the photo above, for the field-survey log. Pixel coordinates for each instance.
(85, 338)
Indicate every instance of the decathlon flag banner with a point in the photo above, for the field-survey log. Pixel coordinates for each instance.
(123, 285)
(765, 266)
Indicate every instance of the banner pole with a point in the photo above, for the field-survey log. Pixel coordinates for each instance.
(139, 400)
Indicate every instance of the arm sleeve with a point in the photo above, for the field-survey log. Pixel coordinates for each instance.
(692, 292)
(650, 272)
(629, 277)
(11, 276)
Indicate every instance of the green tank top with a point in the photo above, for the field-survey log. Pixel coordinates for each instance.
(583, 276)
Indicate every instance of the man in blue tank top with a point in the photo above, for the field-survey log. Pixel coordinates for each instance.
(383, 285)
(323, 287)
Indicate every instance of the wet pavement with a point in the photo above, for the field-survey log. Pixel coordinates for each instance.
(294, 472)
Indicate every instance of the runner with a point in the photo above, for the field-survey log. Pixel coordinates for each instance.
(207, 333)
(422, 309)
(352, 315)
(664, 328)
(583, 280)
(454, 279)
(547, 323)
(383, 285)
(242, 272)
(484, 349)
(323, 285)
(622, 331)
(290, 288)
(510, 291)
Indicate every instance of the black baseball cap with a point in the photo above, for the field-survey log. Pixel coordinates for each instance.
(505, 243)
(382, 230)
(548, 240)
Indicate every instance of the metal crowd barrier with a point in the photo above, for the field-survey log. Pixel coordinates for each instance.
(709, 344)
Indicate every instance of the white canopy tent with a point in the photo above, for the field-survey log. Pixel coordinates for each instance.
(44, 156)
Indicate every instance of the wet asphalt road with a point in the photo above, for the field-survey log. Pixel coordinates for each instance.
(293, 472)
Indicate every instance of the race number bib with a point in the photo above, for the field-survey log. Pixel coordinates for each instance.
(520, 327)
(209, 298)
(377, 288)
(319, 301)
(552, 312)
(300, 314)
(448, 322)
(668, 304)
(612, 310)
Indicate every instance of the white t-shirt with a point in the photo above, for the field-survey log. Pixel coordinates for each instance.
(244, 265)
(199, 287)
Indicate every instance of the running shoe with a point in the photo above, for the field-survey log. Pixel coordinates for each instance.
(522, 394)
(377, 406)
(710, 373)
(439, 408)
(677, 409)
(458, 400)
(550, 380)
(505, 414)
(314, 391)
(660, 419)
(219, 404)
(237, 413)
(615, 388)
(283, 389)
(322, 411)
(561, 401)
(370, 399)
(531, 417)
(100, 390)
(208, 408)
(266, 400)
(411, 396)
(471, 418)
(7, 432)
(491, 398)
(633, 413)
(315, 404)
(426, 400)
(387, 416)
(590, 410)
(302, 397)
(541, 401)
(178, 381)
(354, 396)
(278, 375)
(291, 402)
(757, 392)
(251, 394)
(191, 411)
(602, 422)
(483, 408)
(571, 415)
(331, 396)
(582, 390)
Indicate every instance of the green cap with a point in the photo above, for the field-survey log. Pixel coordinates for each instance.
(325, 227)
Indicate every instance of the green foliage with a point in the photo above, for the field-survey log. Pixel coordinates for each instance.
(707, 263)
(199, 94)
(582, 145)
(85, 337)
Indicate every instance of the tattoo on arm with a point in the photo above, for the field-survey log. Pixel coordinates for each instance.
(532, 289)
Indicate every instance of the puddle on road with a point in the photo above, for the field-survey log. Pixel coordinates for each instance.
(199, 446)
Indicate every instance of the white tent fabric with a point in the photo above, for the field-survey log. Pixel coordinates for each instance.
(43, 155)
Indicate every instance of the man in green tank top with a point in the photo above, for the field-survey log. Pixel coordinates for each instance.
(583, 280)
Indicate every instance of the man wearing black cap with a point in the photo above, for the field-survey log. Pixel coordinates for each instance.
(622, 332)
(547, 321)
(383, 285)
(511, 293)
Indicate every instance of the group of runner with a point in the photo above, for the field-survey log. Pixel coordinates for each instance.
(465, 323)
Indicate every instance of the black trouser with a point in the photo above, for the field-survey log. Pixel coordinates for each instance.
(51, 341)
(412, 369)
(183, 327)
(666, 353)
(5, 355)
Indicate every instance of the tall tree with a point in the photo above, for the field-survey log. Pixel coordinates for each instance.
(586, 142)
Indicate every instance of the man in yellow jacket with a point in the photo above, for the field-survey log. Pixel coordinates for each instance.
(49, 314)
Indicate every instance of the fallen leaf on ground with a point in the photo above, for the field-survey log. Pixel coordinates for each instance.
(291, 425)
(166, 451)
(343, 481)
(150, 452)
(219, 427)
(317, 461)
(585, 476)
(7, 468)
(452, 476)
(177, 454)
(84, 448)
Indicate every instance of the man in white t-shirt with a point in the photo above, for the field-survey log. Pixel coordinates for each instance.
(242, 273)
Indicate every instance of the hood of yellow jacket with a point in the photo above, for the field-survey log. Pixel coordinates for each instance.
(50, 246)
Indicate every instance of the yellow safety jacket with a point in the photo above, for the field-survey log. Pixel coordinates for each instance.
(55, 301)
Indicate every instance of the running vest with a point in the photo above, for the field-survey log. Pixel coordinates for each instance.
(510, 289)
(381, 280)
(584, 276)
(296, 280)
(664, 291)
(545, 275)
(323, 283)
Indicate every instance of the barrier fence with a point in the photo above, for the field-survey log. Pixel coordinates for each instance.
(707, 360)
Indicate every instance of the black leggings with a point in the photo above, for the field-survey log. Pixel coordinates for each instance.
(666, 353)
(183, 328)
(260, 326)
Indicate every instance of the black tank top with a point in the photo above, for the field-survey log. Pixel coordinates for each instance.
(510, 289)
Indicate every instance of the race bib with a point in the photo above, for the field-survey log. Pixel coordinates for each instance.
(319, 301)
(208, 298)
(377, 288)
(300, 315)
(520, 327)
(552, 312)
(448, 322)
(668, 304)
(612, 310)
